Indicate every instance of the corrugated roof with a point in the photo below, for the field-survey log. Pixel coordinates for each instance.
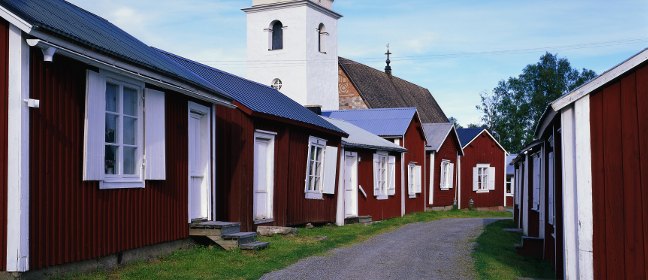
(436, 133)
(256, 97)
(360, 138)
(382, 122)
(380, 90)
(468, 134)
(71, 23)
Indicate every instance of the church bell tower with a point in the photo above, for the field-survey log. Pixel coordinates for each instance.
(292, 46)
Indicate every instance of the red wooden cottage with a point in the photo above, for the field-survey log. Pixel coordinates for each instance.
(276, 160)
(441, 175)
(403, 127)
(481, 183)
(103, 133)
(370, 185)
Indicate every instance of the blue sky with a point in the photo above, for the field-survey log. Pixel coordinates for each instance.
(455, 48)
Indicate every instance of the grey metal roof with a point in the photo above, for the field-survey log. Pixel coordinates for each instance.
(436, 133)
(66, 21)
(510, 169)
(383, 122)
(255, 96)
(360, 138)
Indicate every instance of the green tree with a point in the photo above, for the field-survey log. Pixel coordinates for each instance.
(513, 108)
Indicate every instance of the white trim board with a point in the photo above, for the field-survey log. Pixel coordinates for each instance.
(15, 20)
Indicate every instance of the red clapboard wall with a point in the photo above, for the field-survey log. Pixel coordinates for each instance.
(72, 220)
(483, 149)
(370, 206)
(415, 145)
(4, 98)
(448, 151)
(619, 136)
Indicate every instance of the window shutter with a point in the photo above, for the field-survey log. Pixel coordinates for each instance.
(376, 166)
(392, 175)
(450, 175)
(410, 180)
(330, 165)
(442, 179)
(475, 178)
(417, 179)
(94, 127)
(154, 135)
(491, 178)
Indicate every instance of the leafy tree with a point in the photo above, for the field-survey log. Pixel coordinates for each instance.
(454, 121)
(513, 108)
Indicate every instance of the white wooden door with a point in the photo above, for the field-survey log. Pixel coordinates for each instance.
(263, 176)
(199, 163)
(351, 185)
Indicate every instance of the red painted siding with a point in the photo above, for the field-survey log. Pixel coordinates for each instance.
(482, 150)
(72, 220)
(448, 151)
(415, 145)
(377, 209)
(619, 133)
(4, 134)
(509, 201)
(235, 160)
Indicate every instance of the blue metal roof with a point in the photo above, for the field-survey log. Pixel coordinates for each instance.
(468, 134)
(383, 122)
(71, 23)
(256, 97)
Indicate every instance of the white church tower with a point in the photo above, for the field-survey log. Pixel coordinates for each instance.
(292, 45)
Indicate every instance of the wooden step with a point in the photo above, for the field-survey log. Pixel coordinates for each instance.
(241, 237)
(358, 220)
(213, 228)
(256, 245)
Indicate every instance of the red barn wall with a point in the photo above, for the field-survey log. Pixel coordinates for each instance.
(619, 138)
(448, 151)
(72, 220)
(235, 161)
(415, 145)
(4, 134)
(370, 206)
(509, 201)
(482, 150)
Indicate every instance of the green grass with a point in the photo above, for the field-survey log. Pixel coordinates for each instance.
(214, 263)
(495, 256)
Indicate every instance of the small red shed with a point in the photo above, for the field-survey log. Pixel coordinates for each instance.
(441, 175)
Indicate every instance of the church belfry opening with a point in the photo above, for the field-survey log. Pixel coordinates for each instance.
(322, 34)
(276, 35)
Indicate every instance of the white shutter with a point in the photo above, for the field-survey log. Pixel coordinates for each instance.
(442, 176)
(154, 135)
(376, 166)
(450, 175)
(491, 178)
(94, 127)
(392, 175)
(417, 179)
(330, 165)
(410, 180)
(475, 178)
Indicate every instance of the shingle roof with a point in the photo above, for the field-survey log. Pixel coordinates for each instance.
(256, 97)
(436, 134)
(380, 90)
(360, 138)
(382, 122)
(468, 134)
(71, 23)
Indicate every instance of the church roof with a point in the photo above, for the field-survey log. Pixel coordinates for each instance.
(380, 90)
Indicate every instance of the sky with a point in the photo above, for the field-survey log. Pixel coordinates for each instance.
(458, 49)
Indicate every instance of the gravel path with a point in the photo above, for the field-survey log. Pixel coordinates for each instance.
(434, 250)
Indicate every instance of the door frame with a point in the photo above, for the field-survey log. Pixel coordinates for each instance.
(355, 194)
(207, 116)
(271, 161)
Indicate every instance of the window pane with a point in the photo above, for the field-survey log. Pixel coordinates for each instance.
(312, 152)
(111, 128)
(129, 160)
(130, 101)
(110, 158)
(111, 97)
(130, 130)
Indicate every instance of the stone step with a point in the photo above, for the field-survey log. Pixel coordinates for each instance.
(241, 237)
(256, 245)
(357, 220)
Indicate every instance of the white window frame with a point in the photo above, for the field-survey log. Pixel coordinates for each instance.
(413, 179)
(268, 136)
(537, 181)
(446, 176)
(381, 175)
(313, 189)
(482, 180)
(510, 181)
(121, 181)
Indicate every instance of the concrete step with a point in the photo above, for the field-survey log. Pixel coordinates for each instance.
(256, 245)
(241, 237)
(357, 220)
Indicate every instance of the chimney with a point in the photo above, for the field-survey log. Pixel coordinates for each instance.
(317, 109)
(388, 68)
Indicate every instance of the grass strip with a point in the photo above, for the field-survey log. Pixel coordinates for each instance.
(202, 262)
(495, 256)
